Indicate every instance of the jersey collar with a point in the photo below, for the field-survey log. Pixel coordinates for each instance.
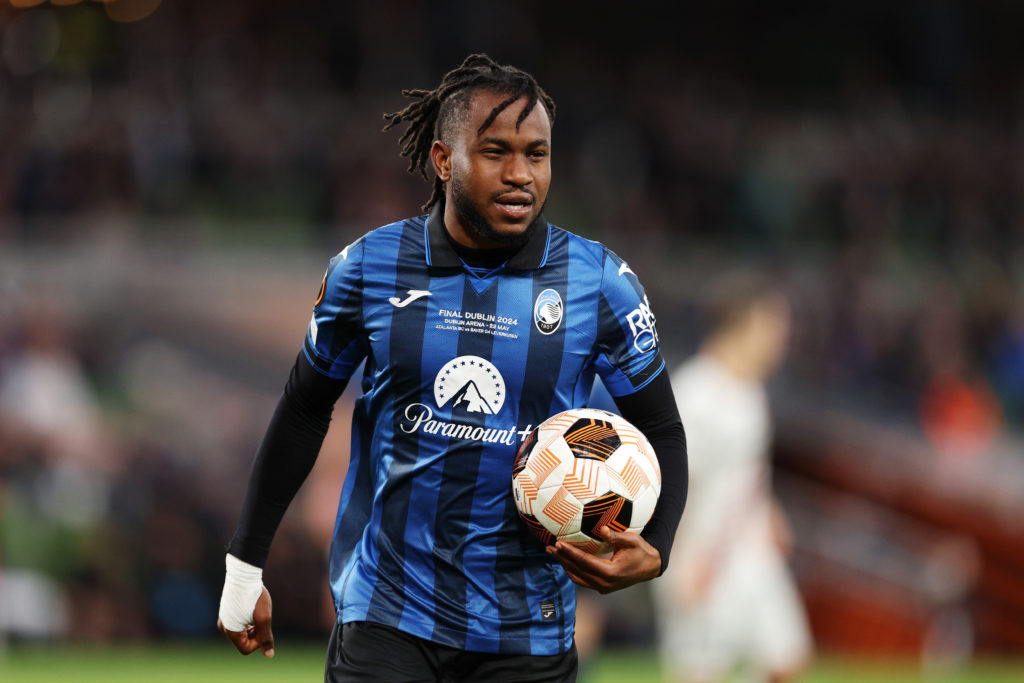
(440, 254)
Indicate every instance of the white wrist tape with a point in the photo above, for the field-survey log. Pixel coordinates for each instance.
(243, 584)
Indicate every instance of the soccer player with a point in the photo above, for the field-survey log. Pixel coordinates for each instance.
(732, 603)
(476, 322)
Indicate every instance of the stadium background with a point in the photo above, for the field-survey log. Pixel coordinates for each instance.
(174, 176)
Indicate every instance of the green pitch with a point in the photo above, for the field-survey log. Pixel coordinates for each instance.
(218, 663)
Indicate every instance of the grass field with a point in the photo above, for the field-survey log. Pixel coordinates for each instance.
(218, 663)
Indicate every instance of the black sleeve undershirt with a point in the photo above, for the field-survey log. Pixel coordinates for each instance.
(284, 458)
(653, 411)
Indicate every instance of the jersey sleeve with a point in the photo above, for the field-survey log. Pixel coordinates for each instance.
(629, 352)
(335, 341)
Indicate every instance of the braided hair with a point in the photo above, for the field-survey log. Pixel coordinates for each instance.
(435, 113)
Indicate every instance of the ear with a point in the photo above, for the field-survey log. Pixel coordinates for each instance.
(441, 158)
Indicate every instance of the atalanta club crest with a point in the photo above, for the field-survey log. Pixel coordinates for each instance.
(547, 311)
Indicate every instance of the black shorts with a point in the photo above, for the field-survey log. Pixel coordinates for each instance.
(366, 652)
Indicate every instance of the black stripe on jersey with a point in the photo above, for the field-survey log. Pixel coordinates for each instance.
(459, 482)
(406, 340)
(357, 510)
(347, 327)
(518, 546)
(641, 378)
(348, 323)
(321, 364)
(610, 325)
(644, 376)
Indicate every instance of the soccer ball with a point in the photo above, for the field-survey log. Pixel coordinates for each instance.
(583, 469)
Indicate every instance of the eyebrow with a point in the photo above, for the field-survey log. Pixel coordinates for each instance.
(501, 142)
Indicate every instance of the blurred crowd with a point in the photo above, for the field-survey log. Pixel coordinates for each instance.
(875, 161)
(119, 481)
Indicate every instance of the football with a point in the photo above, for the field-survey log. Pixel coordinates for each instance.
(583, 469)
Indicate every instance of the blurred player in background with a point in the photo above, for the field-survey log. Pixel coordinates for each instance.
(475, 322)
(731, 606)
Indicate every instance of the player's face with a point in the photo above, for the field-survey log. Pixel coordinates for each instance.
(500, 176)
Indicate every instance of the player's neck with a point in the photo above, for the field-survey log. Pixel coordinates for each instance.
(481, 258)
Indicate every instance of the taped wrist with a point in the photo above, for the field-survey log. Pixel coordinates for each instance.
(243, 584)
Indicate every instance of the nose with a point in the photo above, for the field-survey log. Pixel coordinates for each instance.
(517, 171)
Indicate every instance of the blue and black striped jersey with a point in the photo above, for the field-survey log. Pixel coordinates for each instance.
(459, 366)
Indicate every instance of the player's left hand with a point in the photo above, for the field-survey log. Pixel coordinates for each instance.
(633, 560)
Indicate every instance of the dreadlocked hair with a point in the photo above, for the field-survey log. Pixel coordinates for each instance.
(433, 112)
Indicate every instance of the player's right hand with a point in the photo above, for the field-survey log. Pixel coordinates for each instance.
(632, 561)
(256, 636)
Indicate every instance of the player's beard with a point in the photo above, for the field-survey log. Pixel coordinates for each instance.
(474, 218)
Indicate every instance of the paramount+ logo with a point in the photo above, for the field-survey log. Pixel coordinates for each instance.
(469, 385)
